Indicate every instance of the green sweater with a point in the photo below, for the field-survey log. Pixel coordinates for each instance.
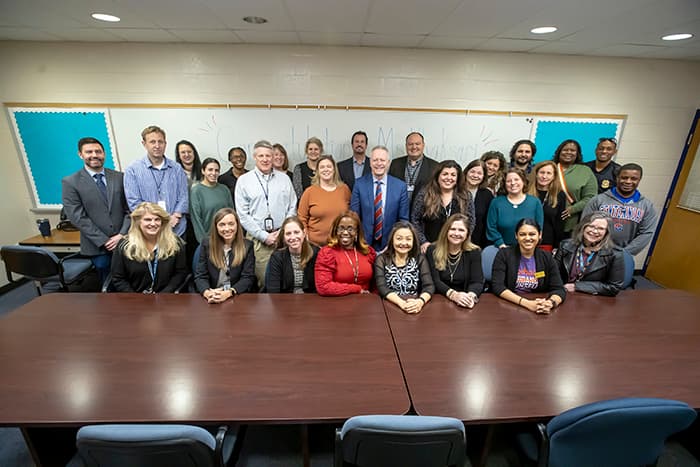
(582, 186)
(204, 202)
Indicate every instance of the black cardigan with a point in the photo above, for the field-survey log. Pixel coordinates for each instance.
(604, 276)
(482, 201)
(280, 274)
(474, 277)
(505, 272)
(206, 275)
(133, 276)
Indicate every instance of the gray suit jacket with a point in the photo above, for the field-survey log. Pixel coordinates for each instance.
(86, 208)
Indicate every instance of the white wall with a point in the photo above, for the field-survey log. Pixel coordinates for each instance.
(659, 96)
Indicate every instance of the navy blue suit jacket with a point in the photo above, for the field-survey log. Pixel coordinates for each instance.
(395, 205)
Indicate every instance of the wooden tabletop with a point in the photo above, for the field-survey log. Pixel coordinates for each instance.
(57, 238)
(81, 358)
(499, 362)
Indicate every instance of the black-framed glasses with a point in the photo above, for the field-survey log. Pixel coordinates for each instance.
(346, 228)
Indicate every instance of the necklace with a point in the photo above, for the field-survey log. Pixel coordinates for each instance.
(355, 266)
(452, 263)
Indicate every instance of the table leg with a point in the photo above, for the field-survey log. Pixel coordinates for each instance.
(487, 446)
(306, 456)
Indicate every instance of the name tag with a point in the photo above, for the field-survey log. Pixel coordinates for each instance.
(539, 274)
(161, 203)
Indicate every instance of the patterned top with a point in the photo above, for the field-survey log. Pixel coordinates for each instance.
(403, 280)
(298, 273)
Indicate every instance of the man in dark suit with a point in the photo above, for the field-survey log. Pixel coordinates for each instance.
(379, 199)
(94, 201)
(415, 168)
(358, 165)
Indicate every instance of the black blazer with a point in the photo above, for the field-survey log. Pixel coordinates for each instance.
(280, 275)
(206, 275)
(398, 170)
(347, 172)
(133, 276)
(227, 178)
(482, 201)
(505, 272)
(604, 276)
(474, 277)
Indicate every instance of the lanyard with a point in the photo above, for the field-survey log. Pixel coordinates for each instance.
(153, 267)
(266, 188)
(162, 177)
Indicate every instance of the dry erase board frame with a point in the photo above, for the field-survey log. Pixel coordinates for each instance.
(449, 133)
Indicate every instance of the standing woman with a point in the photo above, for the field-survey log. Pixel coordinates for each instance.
(291, 266)
(496, 165)
(524, 268)
(304, 171)
(444, 195)
(280, 161)
(207, 198)
(475, 178)
(507, 210)
(151, 258)
(402, 272)
(455, 263)
(589, 261)
(345, 265)
(323, 201)
(237, 157)
(226, 265)
(187, 156)
(576, 180)
(544, 184)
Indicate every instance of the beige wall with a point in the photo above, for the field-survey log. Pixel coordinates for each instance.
(659, 96)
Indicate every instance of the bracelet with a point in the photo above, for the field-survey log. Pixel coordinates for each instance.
(450, 292)
(520, 301)
(421, 299)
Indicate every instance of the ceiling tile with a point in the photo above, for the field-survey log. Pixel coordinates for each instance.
(85, 35)
(232, 13)
(171, 14)
(330, 38)
(329, 15)
(626, 50)
(391, 40)
(457, 43)
(268, 37)
(408, 16)
(26, 34)
(509, 45)
(144, 35)
(206, 35)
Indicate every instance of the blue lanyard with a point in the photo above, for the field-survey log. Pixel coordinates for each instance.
(153, 267)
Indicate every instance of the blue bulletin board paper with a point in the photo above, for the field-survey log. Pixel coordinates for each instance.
(550, 133)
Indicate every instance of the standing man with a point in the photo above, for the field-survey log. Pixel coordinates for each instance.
(264, 199)
(237, 157)
(379, 199)
(358, 165)
(634, 217)
(415, 168)
(604, 167)
(94, 201)
(157, 179)
(521, 155)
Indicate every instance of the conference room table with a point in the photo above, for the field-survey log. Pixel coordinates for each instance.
(74, 359)
(60, 241)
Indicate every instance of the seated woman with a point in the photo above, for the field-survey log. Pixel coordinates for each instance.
(226, 265)
(402, 272)
(291, 266)
(590, 262)
(455, 263)
(524, 268)
(344, 266)
(151, 258)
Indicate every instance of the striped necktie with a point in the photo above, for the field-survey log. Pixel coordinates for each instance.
(99, 179)
(378, 212)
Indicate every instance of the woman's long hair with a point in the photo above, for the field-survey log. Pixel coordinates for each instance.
(316, 179)
(432, 198)
(196, 163)
(606, 241)
(167, 242)
(554, 188)
(471, 165)
(442, 244)
(360, 242)
(306, 251)
(497, 182)
(216, 243)
(283, 151)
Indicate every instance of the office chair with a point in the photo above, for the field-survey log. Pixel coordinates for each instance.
(629, 270)
(152, 446)
(624, 432)
(400, 441)
(488, 254)
(41, 265)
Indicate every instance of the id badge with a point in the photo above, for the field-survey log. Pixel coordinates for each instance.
(161, 203)
(409, 188)
(269, 224)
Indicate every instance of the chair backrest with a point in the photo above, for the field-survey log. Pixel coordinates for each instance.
(401, 441)
(195, 257)
(619, 432)
(30, 261)
(151, 445)
(487, 256)
(629, 269)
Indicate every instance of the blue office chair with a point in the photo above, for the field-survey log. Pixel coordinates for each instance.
(152, 446)
(488, 254)
(400, 441)
(42, 266)
(624, 432)
(629, 270)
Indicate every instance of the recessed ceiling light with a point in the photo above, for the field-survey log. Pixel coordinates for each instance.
(106, 17)
(255, 20)
(676, 37)
(543, 30)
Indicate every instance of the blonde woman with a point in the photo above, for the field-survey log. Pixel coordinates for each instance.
(226, 265)
(323, 201)
(304, 171)
(151, 258)
(545, 186)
